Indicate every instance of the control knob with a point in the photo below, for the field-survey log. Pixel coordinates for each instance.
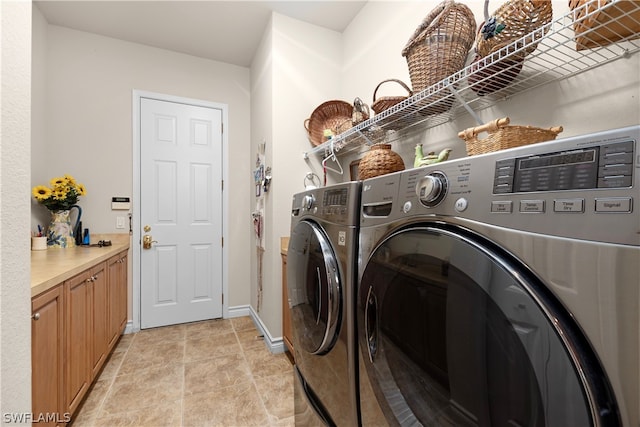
(432, 188)
(308, 201)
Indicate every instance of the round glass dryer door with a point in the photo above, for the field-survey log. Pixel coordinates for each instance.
(315, 292)
(455, 332)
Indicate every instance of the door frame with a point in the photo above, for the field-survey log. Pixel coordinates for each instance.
(137, 95)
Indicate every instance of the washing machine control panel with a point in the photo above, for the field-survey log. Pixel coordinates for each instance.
(601, 166)
(583, 187)
(432, 188)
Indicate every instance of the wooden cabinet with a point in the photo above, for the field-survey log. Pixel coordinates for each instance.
(47, 354)
(77, 297)
(286, 314)
(99, 317)
(75, 326)
(117, 268)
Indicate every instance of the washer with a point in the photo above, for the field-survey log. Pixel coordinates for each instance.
(502, 289)
(321, 272)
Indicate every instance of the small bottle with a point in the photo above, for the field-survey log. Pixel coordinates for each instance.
(86, 239)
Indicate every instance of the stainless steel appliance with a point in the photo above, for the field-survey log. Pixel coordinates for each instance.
(321, 272)
(502, 289)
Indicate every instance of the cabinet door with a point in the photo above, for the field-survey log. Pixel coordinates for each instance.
(117, 277)
(47, 354)
(286, 314)
(99, 318)
(77, 299)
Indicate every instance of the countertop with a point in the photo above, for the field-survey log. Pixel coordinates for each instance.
(284, 245)
(53, 266)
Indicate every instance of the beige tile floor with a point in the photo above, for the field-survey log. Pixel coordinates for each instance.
(212, 373)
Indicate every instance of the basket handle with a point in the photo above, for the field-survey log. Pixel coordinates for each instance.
(556, 129)
(306, 125)
(432, 20)
(470, 134)
(392, 80)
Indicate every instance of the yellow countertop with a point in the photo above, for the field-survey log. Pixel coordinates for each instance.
(53, 266)
(284, 245)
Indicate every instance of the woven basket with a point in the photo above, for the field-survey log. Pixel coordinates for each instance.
(505, 49)
(394, 121)
(386, 102)
(496, 72)
(520, 18)
(614, 21)
(379, 160)
(438, 48)
(334, 115)
(502, 136)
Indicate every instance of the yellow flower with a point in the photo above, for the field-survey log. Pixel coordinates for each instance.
(63, 193)
(58, 182)
(41, 192)
(71, 180)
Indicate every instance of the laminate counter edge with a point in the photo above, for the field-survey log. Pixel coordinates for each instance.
(51, 267)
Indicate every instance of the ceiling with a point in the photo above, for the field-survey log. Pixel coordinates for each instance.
(226, 31)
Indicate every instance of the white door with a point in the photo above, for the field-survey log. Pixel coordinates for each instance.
(181, 211)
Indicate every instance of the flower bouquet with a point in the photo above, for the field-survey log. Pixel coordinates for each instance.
(59, 198)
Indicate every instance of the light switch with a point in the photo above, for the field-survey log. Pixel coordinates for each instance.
(120, 221)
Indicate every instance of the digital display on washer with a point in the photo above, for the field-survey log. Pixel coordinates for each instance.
(576, 169)
(335, 197)
(558, 159)
(604, 166)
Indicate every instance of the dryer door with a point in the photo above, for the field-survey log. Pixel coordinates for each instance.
(455, 331)
(315, 292)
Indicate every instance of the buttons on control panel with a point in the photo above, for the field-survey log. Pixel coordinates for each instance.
(604, 166)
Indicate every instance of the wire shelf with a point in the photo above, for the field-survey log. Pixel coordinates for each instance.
(613, 35)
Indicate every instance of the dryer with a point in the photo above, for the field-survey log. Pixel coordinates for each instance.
(502, 289)
(321, 272)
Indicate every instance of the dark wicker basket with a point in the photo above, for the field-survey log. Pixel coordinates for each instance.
(379, 160)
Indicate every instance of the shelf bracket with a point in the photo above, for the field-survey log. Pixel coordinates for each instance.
(465, 105)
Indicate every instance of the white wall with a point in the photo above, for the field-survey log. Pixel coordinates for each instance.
(88, 126)
(15, 295)
(297, 68)
(604, 98)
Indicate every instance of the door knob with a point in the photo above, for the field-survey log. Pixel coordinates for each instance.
(147, 241)
(146, 229)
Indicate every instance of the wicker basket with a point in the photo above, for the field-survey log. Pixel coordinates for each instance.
(504, 50)
(334, 115)
(495, 72)
(379, 160)
(608, 22)
(502, 136)
(438, 48)
(386, 102)
(393, 121)
(520, 18)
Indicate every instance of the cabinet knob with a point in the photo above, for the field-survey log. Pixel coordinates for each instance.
(36, 316)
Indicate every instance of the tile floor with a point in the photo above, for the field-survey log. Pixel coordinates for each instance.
(212, 373)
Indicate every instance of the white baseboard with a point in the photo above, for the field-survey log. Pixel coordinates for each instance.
(128, 329)
(238, 311)
(274, 344)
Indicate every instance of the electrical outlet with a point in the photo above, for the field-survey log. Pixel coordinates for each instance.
(120, 222)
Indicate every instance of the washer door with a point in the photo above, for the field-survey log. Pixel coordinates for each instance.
(455, 331)
(315, 292)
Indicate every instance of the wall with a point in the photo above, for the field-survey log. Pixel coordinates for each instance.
(15, 296)
(88, 126)
(297, 68)
(604, 98)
